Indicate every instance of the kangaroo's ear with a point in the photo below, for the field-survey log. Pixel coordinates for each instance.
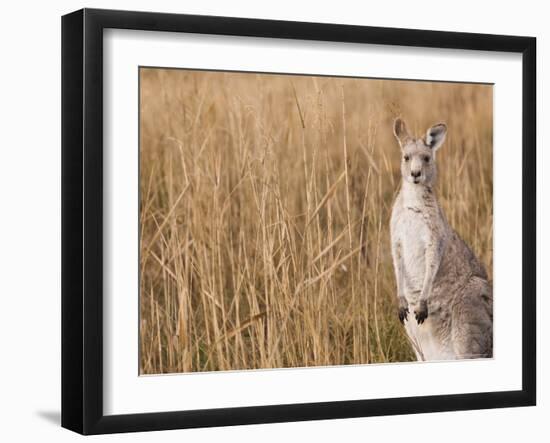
(436, 136)
(400, 131)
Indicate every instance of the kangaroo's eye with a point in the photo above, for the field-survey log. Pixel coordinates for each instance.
(406, 158)
(426, 159)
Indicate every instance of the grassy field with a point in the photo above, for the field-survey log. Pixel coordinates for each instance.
(264, 214)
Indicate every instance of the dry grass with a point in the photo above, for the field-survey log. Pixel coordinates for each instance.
(264, 213)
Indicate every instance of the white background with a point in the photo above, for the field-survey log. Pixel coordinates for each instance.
(126, 393)
(30, 219)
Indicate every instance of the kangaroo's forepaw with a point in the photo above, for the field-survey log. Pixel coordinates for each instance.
(421, 313)
(403, 309)
(403, 314)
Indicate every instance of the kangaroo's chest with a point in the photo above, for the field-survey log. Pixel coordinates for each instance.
(413, 233)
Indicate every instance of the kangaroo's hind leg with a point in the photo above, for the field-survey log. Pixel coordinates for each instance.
(472, 320)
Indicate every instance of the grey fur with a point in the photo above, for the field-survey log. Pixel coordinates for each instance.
(439, 279)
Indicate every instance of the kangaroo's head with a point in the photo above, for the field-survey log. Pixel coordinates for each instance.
(418, 154)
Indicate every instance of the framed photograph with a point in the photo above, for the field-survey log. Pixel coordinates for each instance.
(269, 221)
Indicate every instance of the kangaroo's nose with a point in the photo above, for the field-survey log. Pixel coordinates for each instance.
(415, 174)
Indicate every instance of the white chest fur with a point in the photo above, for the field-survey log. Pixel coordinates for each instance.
(410, 228)
(413, 235)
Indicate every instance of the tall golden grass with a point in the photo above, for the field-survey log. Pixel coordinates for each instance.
(264, 213)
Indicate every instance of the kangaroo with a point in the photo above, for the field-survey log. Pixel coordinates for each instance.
(438, 276)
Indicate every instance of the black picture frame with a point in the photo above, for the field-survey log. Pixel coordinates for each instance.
(82, 218)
